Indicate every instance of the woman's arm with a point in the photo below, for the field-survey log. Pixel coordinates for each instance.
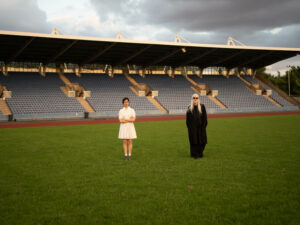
(132, 119)
(132, 116)
(123, 120)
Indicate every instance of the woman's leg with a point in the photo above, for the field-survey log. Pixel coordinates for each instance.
(125, 147)
(129, 147)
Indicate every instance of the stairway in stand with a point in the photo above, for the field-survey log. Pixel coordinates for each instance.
(86, 105)
(4, 108)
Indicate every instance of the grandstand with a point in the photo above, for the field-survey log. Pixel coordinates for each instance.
(174, 93)
(76, 77)
(107, 93)
(37, 95)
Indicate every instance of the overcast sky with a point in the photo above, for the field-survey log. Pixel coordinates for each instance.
(252, 22)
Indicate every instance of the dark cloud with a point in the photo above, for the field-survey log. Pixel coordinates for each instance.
(23, 15)
(249, 21)
(204, 15)
(285, 37)
(212, 15)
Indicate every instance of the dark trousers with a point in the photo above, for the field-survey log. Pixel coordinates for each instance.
(197, 150)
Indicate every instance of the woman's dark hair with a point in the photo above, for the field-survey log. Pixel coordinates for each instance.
(124, 99)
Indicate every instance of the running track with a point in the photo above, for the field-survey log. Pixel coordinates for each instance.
(141, 119)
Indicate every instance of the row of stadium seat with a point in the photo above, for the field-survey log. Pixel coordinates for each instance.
(174, 94)
(107, 92)
(275, 95)
(33, 93)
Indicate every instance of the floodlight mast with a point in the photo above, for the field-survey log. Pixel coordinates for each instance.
(231, 42)
(55, 31)
(180, 39)
(120, 35)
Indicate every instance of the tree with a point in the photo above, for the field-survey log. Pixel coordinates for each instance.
(282, 81)
(294, 73)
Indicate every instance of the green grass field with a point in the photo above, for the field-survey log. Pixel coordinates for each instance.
(77, 175)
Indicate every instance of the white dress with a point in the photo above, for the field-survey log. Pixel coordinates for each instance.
(127, 130)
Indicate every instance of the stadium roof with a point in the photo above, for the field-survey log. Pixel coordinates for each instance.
(50, 48)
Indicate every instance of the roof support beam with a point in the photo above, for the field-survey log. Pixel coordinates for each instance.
(5, 69)
(125, 60)
(14, 56)
(193, 59)
(171, 72)
(77, 71)
(200, 72)
(227, 58)
(99, 53)
(255, 59)
(227, 73)
(253, 72)
(22, 47)
(42, 70)
(165, 57)
(238, 71)
(142, 72)
(63, 50)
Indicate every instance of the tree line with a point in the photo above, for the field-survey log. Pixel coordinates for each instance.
(281, 81)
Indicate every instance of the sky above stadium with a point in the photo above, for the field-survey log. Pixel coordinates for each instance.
(274, 23)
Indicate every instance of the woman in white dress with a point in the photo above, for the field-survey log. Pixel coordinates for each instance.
(127, 130)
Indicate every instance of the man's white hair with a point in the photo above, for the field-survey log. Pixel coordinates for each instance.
(192, 103)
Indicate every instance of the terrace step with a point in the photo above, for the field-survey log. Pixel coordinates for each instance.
(131, 80)
(245, 81)
(273, 101)
(85, 104)
(157, 104)
(135, 89)
(210, 95)
(4, 108)
(217, 101)
(64, 78)
(279, 91)
(250, 87)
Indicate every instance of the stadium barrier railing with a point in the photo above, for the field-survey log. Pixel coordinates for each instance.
(48, 116)
(3, 117)
(240, 110)
(114, 114)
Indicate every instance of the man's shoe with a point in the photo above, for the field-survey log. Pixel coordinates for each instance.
(129, 157)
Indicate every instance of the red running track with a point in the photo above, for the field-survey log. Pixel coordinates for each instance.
(142, 119)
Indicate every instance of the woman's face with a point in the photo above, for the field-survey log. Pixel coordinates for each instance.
(195, 99)
(126, 103)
